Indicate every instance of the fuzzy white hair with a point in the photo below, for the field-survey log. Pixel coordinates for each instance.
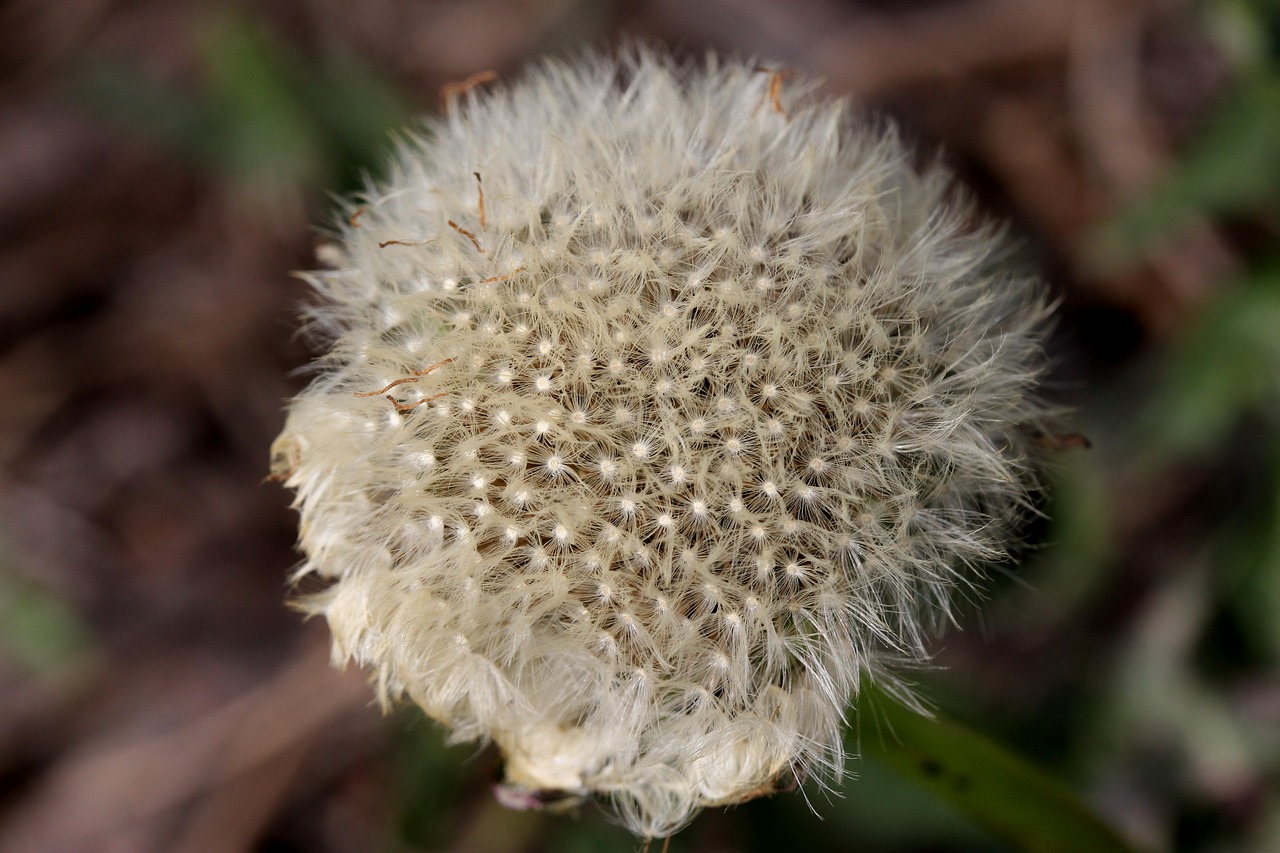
(703, 403)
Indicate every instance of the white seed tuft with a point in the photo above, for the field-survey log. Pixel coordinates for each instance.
(709, 418)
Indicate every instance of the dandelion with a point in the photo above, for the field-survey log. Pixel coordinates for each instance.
(706, 410)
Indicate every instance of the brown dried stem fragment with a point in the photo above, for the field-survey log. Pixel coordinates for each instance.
(449, 92)
(776, 78)
(1066, 441)
(412, 377)
(480, 190)
(506, 277)
(465, 233)
(385, 243)
(389, 386)
(405, 407)
(424, 371)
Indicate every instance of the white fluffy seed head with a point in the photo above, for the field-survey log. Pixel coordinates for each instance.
(705, 414)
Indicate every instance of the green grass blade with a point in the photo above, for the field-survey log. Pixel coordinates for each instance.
(982, 779)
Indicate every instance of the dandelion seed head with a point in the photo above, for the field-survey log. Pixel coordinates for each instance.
(661, 421)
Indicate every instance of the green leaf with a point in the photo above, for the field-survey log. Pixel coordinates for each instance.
(263, 116)
(983, 780)
(1232, 167)
(430, 785)
(265, 134)
(37, 629)
(1227, 365)
(1247, 568)
(356, 110)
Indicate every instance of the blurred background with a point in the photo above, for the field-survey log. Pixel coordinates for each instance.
(165, 164)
